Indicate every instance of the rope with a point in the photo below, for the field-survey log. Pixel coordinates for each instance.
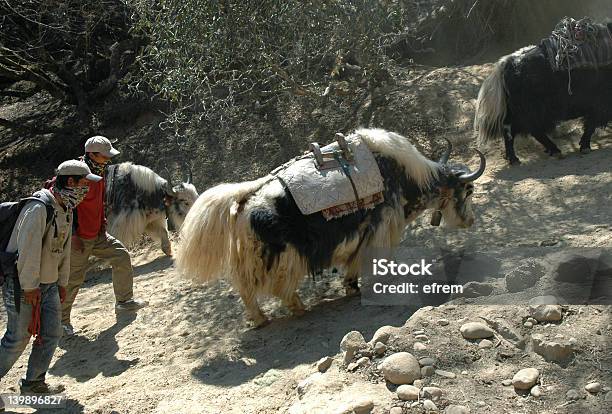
(34, 326)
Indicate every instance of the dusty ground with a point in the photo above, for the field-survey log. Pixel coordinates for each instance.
(190, 351)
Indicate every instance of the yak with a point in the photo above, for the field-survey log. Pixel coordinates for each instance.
(139, 201)
(526, 95)
(254, 234)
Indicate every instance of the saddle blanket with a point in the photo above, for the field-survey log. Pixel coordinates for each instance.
(327, 188)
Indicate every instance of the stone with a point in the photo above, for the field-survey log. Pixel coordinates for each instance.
(380, 348)
(352, 341)
(396, 410)
(485, 344)
(536, 392)
(445, 374)
(476, 289)
(528, 325)
(525, 378)
(433, 393)
(476, 330)
(427, 361)
(428, 405)
(324, 363)
(362, 406)
(383, 334)
(417, 333)
(348, 356)
(427, 371)
(593, 387)
(418, 383)
(546, 313)
(532, 320)
(507, 382)
(557, 351)
(401, 368)
(408, 393)
(443, 322)
(352, 366)
(421, 338)
(457, 409)
(572, 395)
(524, 276)
(419, 346)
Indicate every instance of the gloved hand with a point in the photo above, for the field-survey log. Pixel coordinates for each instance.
(32, 296)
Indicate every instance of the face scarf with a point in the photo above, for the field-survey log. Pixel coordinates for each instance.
(72, 196)
(95, 168)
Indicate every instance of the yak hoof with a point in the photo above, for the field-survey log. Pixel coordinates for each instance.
(585, 150)
(167, 250)
(260, 322)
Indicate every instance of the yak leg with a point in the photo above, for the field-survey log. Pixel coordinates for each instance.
(509, 145)
(551, 148)
(585, 141)
(157, 229)
(254, 312)
(295, 305)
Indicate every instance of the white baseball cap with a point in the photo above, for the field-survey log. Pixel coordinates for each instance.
(102, 145)
(76, 167)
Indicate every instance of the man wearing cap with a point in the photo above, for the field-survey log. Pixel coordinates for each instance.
(91, 239)
(43, 266)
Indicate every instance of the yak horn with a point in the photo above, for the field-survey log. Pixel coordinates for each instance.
(466, 178)
(447, 152)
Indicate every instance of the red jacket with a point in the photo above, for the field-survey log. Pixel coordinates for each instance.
(90, 219)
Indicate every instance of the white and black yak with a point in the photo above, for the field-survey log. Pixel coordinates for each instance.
(139, 201)
(254, 234)
(525, 95)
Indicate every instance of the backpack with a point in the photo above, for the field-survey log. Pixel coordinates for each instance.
(9, 213)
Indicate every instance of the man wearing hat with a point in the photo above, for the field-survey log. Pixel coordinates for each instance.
(41, 245)
(91, 239)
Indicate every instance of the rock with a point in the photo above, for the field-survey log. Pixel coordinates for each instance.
(396, 410)
(445, 374)
(532, 320)
(347, 357)
(427, 361)
(362, 406)
(507, 382)
(456, 409)
(380, 348)
(427, 371)
(383, 334)
(593, 387)
(572, 395)
(525, 378)
(443, 322)
(485, 344)
(428, 405)
(433, 393)
(524, 276)
(419, 346)
(528, 325)
(536, 391)
(352, 366)
(476, 289)
(464, 373)
(481, 403)
(476, 330)
(306, 383)
(418, 383)
(401, 368)
(551, 350)
(408, 393)
(352, 341)
(546, 313)
(421, 338)
(543, 300)
(324, 364)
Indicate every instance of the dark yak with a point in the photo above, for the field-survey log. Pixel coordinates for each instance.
(254, 234)
(525, 95)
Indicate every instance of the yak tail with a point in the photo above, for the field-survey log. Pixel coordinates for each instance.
(491, 105)
(207, 234)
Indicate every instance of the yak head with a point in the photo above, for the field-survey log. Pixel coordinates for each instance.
(454, 189)
(178, 202)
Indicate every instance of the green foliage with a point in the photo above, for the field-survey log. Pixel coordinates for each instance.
(209, 57)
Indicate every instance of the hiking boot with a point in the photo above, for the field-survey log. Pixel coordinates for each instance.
(39, 388)
(68, 329)
(130, 305)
